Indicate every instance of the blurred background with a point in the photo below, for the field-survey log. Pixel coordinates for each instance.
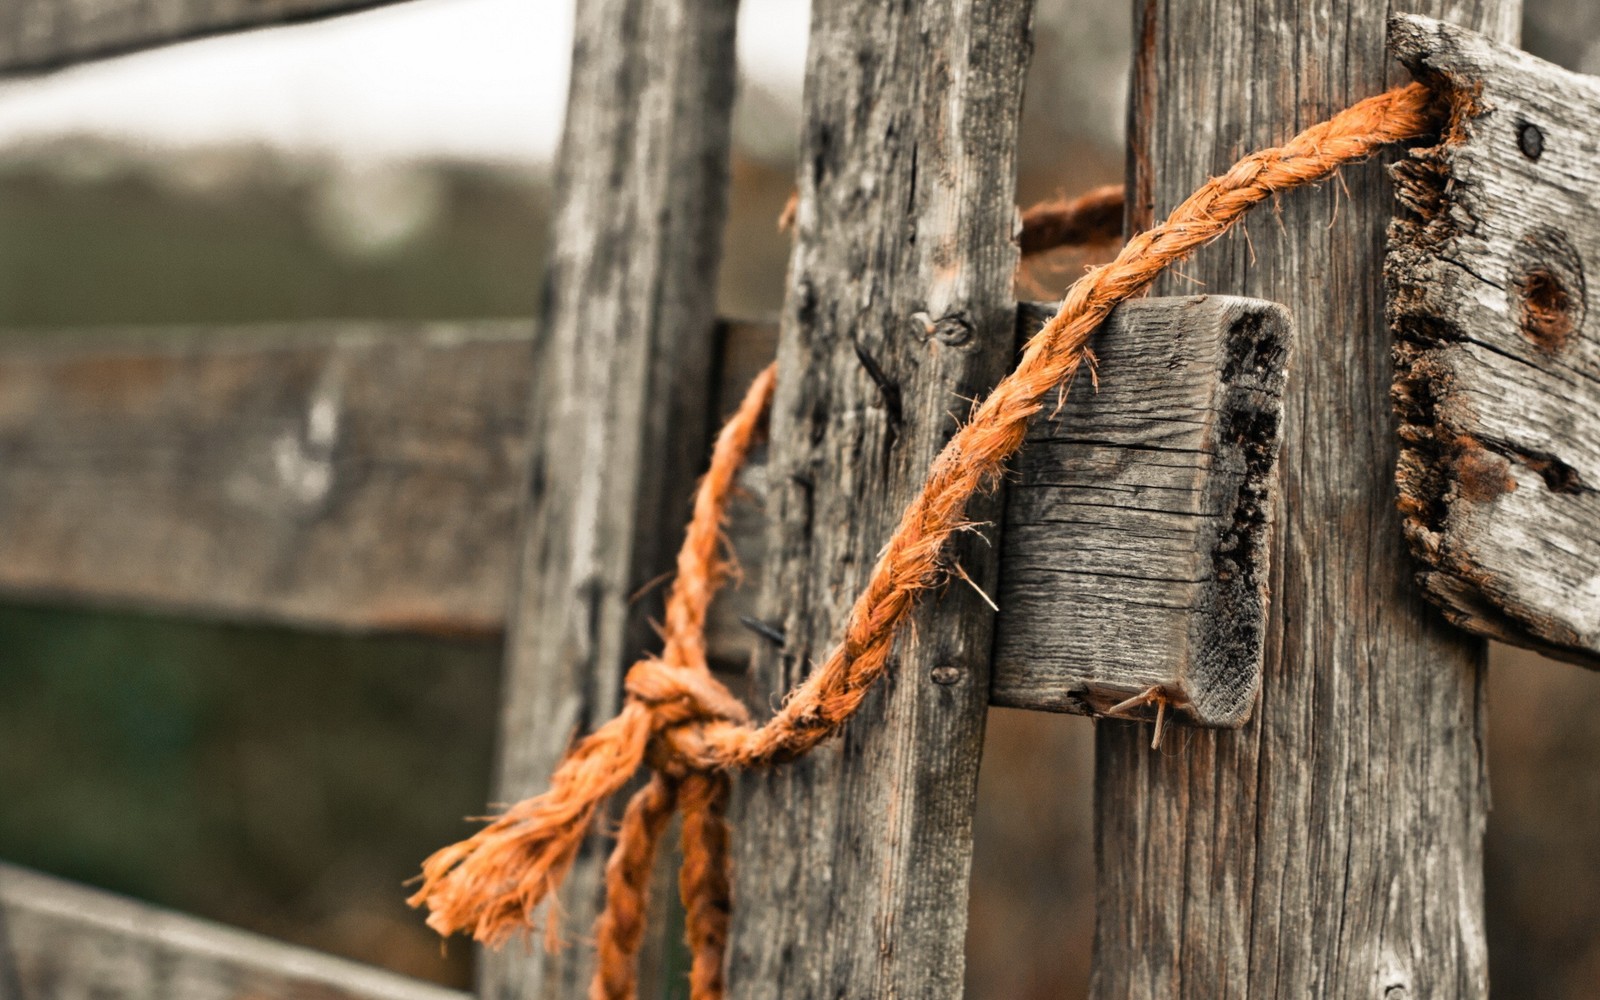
(394, 164)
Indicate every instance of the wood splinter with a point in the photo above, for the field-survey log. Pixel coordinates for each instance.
(1149, 695)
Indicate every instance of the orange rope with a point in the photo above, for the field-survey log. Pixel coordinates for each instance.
(693, 730)
(1092, 217)
(620, 928)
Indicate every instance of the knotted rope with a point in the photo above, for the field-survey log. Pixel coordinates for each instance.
(692, 731)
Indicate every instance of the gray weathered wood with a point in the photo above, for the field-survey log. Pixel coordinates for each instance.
(619, 422)
(45, 34)
(1333, 846)
(347, 475)
(1498, 362)
(60, 941)
(1136, 531)
(852, 863)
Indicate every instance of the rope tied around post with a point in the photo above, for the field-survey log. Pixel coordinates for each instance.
(690, 729)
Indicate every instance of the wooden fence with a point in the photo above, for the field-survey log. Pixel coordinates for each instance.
(472, 478)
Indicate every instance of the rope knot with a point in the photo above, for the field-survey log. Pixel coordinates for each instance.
(676, 696)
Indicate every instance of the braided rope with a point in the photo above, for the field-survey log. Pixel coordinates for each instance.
(694, 731)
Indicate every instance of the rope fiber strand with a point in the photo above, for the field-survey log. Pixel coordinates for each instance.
(685, 723)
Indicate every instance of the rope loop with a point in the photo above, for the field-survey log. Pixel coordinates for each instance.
(677, 697)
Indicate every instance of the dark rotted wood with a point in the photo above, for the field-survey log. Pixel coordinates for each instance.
(619, 417)
(346, 475)
(852, 863)
(1333, 846)
(1498, 357)
(45, 34)
(1136, 530)
(60, 941)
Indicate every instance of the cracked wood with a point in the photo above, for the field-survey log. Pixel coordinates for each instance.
(852, 863)
(1332, 847)
(1497, 358)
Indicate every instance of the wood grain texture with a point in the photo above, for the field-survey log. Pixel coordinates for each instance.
(852, 863)
(47, 34)
(1135, 550)
(619, 423)
(336, 475)
(1333, 846)
(1497, 359)
(60, 941)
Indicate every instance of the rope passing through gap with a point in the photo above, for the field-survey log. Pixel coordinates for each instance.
(691, 731)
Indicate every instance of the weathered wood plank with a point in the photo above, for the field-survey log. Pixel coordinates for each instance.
(336, 475)
(619, 413)
(60, 941)
(852, 867)
(1333, 846)
(1135, 550)
(46, 34)
(1498, 362)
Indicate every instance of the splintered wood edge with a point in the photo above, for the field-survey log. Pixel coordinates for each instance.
(1225, 675)
(1447, 464)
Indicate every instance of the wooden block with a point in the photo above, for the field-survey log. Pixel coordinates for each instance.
(63, 941)
(1135, 550)
(1497, 359)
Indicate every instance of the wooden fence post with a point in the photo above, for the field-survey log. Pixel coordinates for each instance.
(1333, 847)
(852, 864)
(619, 419)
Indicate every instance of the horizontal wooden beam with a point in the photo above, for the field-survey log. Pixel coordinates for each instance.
(1498, 357)
(365, 478)
(48, 34)
(59, 940)
(335, 475)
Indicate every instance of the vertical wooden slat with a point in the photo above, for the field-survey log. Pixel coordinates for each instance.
(852, 863)
(619, 409)
(1333, 847)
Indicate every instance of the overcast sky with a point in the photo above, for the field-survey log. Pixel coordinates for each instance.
(470, 78)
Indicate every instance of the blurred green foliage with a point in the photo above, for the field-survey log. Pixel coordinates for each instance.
(283, 781)
(89, 238)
